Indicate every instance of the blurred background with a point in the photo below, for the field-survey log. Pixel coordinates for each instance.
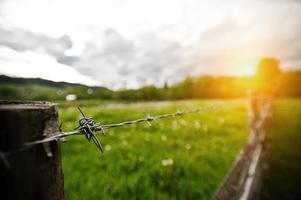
(124, 45)
(112, 56)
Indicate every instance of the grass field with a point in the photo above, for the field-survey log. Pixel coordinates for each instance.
(284, 179)
(180, 158)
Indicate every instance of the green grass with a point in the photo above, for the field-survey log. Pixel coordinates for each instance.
(284, 179)
(202, 148)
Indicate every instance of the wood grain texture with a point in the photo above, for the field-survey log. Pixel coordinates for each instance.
(31, 174)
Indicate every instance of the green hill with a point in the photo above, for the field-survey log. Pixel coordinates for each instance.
(40, 89)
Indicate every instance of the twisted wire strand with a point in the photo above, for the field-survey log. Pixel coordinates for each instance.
(88, 127)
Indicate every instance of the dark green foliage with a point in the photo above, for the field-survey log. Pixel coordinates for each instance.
(290, 84)
(40, 89)
(287, 84)
(284, 178)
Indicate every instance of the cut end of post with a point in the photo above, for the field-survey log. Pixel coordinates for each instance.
(25, 105)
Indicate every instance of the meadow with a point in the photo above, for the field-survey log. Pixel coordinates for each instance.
(180, 158)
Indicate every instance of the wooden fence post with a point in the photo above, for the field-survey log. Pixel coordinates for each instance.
(245, 178)
(31, 173)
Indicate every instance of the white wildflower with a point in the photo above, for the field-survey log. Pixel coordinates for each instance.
(141, 158)
(183, 122)
(205, 128)
(197, 124)
(108, 147)
(188, 146)
(221, 121)
(174, 125)
(163, 138)
(167, 162)
(124, 142)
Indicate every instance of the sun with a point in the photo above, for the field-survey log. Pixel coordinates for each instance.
(248, 69)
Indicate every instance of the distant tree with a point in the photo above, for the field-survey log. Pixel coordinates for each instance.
(268, 69)
(165, 85)
(268, 72)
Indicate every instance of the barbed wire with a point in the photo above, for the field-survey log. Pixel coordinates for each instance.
(88, 127)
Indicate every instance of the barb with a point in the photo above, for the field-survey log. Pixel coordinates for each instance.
(89, 128)
(147, 119)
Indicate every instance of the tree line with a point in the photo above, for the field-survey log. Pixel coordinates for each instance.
(268, 77)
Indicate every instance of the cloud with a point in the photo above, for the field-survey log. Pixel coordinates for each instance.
(110, 57)
(142, 44)
(33, 64)
(229, 47)
(22, 40)
(230, 44)
(115, 58)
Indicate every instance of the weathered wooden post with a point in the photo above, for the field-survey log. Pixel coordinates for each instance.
(31, 174)
(244, 180)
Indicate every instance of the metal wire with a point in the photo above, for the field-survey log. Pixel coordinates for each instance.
(89, 128)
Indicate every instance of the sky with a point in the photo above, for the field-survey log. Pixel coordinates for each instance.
(131, 43)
